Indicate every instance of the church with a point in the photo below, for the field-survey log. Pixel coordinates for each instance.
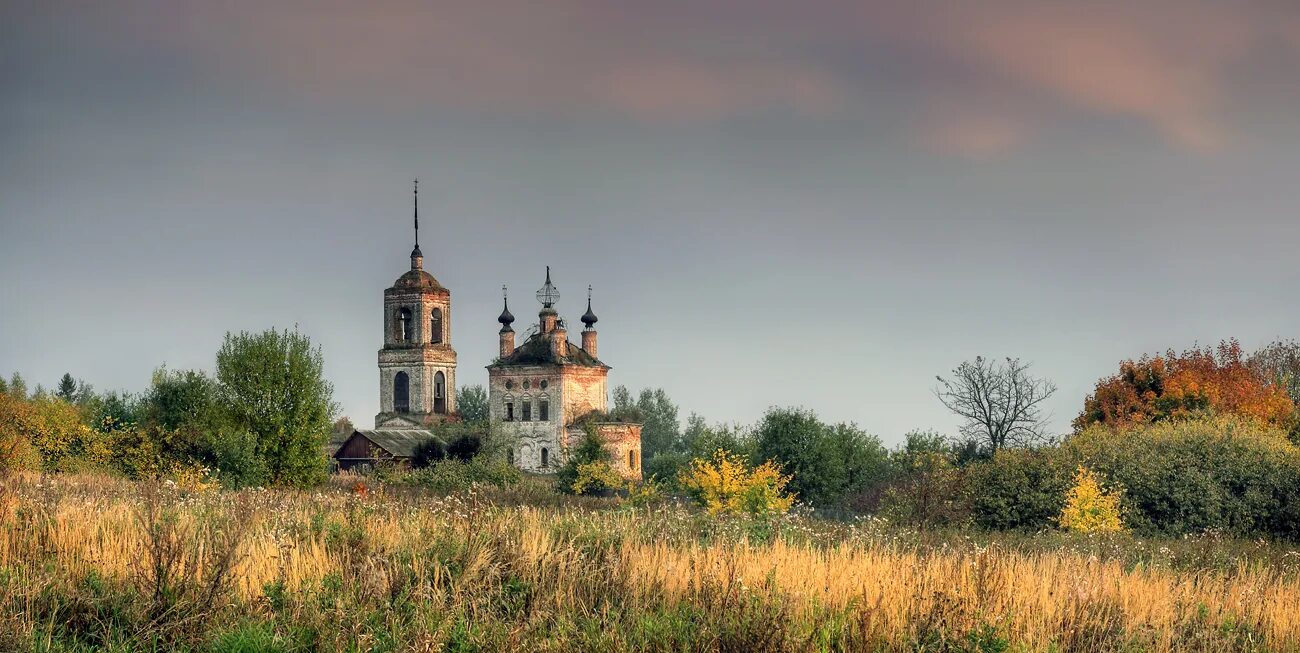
(543, 395)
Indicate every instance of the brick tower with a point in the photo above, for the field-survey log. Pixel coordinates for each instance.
(417, 366)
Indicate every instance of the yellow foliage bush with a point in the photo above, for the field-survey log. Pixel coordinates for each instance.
(596, 476)
(726, 484)
(193, 477)
(1090, 508)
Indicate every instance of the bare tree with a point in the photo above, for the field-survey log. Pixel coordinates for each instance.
(1001, 403)
(1279, 364)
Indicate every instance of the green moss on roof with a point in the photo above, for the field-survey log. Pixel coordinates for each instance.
(536, 350)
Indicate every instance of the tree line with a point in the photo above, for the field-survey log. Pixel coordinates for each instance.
(262, 419)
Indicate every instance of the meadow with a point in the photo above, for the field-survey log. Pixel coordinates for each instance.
(91, 563)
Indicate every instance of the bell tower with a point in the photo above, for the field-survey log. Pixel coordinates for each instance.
(417, 366)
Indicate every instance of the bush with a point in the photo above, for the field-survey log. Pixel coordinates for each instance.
(1221, 474)
(597, 477)
(590, 450)
(428, 452)
(726, 484)
(1090, 508)
(450, 476)
(826, 463)
(929, 491)
(666, 465)
(1018, 489)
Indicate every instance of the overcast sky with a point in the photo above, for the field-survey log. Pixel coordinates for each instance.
(813, 203)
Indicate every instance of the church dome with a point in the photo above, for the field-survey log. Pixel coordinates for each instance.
(418, 279)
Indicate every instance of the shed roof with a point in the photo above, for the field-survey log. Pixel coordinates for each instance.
(399, 443)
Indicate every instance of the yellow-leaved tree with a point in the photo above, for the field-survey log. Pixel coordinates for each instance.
(1090, 507)
(727, 484)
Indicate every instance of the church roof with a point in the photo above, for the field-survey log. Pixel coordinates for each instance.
(536, 350)
(417, 279)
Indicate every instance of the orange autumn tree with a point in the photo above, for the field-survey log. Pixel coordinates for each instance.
(1211, 380)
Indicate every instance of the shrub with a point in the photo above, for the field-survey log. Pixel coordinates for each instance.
(590, 450)
(450, 476)
(666, 465)
(1188, 476)
(726, 484)
(596, 477)
(930, 490)
(825, 462)
(428, 452)
(1020, 489)
(1090, 508)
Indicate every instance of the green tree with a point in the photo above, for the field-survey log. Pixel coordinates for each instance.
(17, 386)
(180, 399)
(591, 449)
(67, 390)
(472, 402)
(660, 431)
(826, 462)
(625, 406)
(272, 385)
(113, 410)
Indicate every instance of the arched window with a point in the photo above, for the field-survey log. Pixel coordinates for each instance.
(404, 320)
(631, 458)
(439, 393)
(435, 326)
(402, 393)
(546, 457)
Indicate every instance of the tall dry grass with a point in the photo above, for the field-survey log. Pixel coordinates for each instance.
(414, 573)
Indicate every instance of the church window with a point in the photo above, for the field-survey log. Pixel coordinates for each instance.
(510, 384)
(401, 393)
(510, 456)
(439, 393)
(528, 410)
(404, 319)
(546, 457)
(526, 384)
(544, 410)
(631, 459)
(510, 411)
(435, 326)
(544, 384)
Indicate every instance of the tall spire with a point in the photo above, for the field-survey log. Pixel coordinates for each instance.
(416, 197)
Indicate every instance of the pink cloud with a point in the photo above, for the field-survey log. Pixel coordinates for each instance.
(970, 134)
(1168, 65)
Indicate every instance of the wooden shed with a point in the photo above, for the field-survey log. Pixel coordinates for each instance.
(368, 447)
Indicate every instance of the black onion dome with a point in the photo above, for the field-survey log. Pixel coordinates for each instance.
(589, 318)
(506, 318)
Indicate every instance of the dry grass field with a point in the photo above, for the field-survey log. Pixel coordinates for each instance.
(91, 563)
